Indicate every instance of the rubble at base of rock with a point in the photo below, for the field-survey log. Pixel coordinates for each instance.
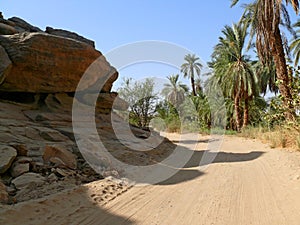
(39, 74)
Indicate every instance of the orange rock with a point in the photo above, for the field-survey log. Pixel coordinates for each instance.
(44, 63)
(68, 158)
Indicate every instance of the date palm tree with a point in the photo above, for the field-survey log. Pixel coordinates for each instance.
(233, 71)
(295, 44)
(267, 77)
(190, 67)
(174, 91)
(265, 18)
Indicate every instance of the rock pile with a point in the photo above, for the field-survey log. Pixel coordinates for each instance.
(39, 73)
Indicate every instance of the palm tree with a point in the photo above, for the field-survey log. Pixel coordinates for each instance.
(233, 71)
(198, 86)
(175, 90)
(295, 45)
(265, 16)
(190, 67)
(267, 77)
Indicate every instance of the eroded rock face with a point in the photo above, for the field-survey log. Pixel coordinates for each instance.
(44, 63)
(5, 65)
(39, 74)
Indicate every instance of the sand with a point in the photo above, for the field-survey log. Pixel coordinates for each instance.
(248, 183)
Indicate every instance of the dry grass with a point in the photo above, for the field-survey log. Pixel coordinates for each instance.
(277, 138)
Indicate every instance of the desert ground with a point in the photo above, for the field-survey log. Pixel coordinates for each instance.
(247, 183)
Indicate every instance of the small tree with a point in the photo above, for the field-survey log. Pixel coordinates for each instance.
(142, 100)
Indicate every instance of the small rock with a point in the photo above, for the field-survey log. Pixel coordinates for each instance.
(111, 173)
(21, 149)
(6, 179)
(3, 193)
(52, 177)
(11, 190)
(35, 152)
(18, 169)
(38, 167)
(23, 159)
(8, 154)
(28, 178)
(61, 172)
(57, 162)
(52, 135)
(68, 158)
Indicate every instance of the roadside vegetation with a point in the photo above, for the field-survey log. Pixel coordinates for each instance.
(254, 69)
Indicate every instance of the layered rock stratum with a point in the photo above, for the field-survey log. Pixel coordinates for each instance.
(39, 74)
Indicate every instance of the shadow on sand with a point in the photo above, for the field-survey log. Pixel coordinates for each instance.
(189, 172)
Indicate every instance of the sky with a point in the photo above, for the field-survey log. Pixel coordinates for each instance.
(192, 24)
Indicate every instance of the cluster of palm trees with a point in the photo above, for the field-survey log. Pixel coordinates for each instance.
(175, 91)
(243, 80)
(264, 18)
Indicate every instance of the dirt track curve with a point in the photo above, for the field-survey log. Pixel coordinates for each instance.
(248, 183)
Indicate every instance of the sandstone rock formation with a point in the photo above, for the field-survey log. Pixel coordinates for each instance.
(68, 34)
(39, 74)
(47, 62)
(43, 63)
(22, 25)
(5, 65)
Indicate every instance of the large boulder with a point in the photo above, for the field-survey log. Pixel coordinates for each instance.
(68, 34)
(7, 29)
(20, 23)
(44, 63)
(5, 65)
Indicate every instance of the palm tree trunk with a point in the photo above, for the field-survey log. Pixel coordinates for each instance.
(237, 112)
(193, 85)
(246, 112)
(282, 73)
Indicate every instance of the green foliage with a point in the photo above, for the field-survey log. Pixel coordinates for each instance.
(233, 72)
(167, 117)
(175, 92)
(295, 44)
(142, 100)
(277, 110)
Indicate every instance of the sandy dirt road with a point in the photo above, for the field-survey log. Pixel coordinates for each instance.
(248, 183)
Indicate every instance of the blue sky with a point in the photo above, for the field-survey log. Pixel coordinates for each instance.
(193, 24)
